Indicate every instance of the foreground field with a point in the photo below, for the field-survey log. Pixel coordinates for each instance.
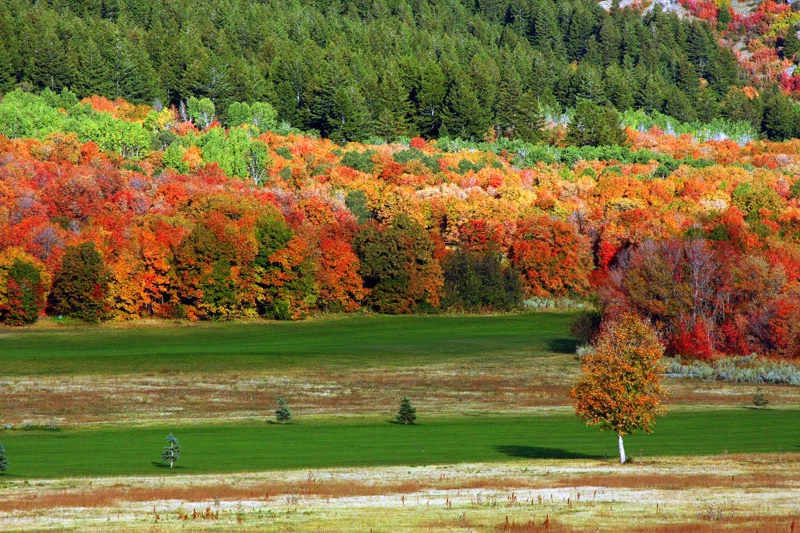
(725, 493)
(361, 441)
(497, 447)
(343, 366)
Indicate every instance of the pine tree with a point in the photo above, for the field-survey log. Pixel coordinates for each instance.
(283, 414)
(758, 399)
(407, 414)
(3, 460)
(172, 452)
(791, 44)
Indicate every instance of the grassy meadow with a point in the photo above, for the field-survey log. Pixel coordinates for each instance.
(258, 446)
(340, 342)
(495, 447)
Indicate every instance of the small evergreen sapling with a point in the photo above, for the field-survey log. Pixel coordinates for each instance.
(407, 413)
(3, 460)
(172, 452)
(758, 399)
(283, 414)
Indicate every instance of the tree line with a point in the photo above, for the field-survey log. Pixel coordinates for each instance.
(384, 68)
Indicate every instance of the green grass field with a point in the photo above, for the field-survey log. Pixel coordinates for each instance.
(40, 453)
(341, 342)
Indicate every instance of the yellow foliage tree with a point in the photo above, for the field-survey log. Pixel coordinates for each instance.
(620, 386)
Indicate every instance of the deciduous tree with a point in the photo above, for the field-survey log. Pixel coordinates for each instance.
(619, 388)
(81, 285)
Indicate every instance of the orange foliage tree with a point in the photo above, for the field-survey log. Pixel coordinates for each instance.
(620, 386)
(553, 259)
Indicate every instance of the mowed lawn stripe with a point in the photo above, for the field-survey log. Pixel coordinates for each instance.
(346, 342)
(370, 442)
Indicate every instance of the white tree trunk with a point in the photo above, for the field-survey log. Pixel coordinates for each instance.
(621, 449)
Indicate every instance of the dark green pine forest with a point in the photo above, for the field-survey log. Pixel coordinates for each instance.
(360, 69)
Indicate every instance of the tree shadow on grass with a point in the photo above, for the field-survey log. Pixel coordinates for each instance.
(159, 464)
(536, 452)
(562, 345)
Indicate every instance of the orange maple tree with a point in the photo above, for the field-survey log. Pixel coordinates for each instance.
(620, 385)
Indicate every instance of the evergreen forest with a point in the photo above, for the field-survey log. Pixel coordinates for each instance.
(356, 70)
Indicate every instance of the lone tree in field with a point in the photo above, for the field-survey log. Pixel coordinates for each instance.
(620, 386)
(283, 414)
(407, 413)
(172, 452)
(759, 400)
(3, 460)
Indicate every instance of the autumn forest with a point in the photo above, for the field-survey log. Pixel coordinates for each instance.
(280, 159)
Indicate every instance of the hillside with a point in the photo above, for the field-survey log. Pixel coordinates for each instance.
(385, 68)
(700, 236)
(283, 159)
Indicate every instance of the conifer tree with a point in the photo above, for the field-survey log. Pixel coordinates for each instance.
(283, 414)
(172, 451)
(407, 414)
(3, 460)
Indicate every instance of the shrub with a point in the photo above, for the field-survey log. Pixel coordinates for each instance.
(586, 325)
(758, 399)
(741, 369)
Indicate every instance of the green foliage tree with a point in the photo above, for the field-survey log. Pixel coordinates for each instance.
(81, 285)
(202, 268)
(594, 125)
(172, 451)
(3, 460)
(25, 294)
(260, 115)
(398, 266)
(619, 388)
(407, 413)
(480, 282)
(256, 160)
(201, 111)
(283, 414)
(356, 202)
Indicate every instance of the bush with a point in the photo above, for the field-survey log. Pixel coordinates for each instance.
(586, 325)
(3, 460)
(742, 369)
